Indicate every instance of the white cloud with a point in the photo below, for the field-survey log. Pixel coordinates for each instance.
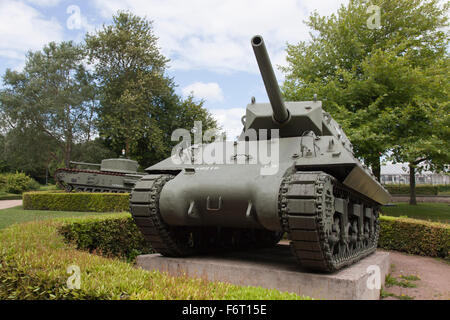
(211, 91)
(22, 28)
(229, 120)
(215, 34)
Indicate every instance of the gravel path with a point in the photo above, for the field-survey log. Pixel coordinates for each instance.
(5, 204)
(434, 283)
(434, 274)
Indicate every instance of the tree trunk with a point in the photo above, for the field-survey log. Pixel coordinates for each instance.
(68, 151)
(412, 185)
(376, 169)
(127, 147)
(67, 155)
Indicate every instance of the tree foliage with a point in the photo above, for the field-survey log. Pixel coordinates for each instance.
(51, 97)
(54, 110)
(387, 86)
(139, 108)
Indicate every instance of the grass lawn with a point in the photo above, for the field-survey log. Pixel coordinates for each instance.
(50, 187)
(35, 257)
(439, 212)
(18, 215)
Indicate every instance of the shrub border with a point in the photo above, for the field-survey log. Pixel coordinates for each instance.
(76, 201)
(415, 236)
(408, 235)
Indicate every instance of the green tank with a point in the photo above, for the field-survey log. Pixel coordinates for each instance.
(111, 175)
(316, 191)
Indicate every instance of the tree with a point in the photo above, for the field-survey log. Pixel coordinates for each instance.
(370, 78)
(130, 70)
(3, 162)
(53, 96)
(139, 108)
(29, 150)
(423, 138)
(93, 151)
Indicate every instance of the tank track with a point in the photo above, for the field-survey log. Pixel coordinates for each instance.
(320, 239)
(83, 188)
(177, 241)
(144, 206)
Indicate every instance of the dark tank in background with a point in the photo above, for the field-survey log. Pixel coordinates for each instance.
(111, 175)
(320, 194)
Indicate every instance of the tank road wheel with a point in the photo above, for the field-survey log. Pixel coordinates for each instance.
(144, 206)
(322, 237)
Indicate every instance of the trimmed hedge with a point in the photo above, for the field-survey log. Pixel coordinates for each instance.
(120, 237)
(76, 201)
(415, 236)
(444, 187)
(425, 190)
(34, 259)
(113, 237)
(401, 234)
(421, 189)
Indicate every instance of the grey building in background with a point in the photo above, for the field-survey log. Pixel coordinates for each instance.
(399, 174)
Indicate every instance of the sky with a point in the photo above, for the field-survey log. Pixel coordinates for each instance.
(207, 41)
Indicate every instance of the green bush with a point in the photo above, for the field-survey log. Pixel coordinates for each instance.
(403, 189)
(415, 236)
(444, 187)
(421, 189)
(34, 258)
(17, 183)
(82, 201)
(116, 237)
(120, 237)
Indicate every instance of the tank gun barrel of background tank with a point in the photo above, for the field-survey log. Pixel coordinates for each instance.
(280, 112)
(85, 164)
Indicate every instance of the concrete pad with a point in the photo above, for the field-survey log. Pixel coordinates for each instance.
(276, 268)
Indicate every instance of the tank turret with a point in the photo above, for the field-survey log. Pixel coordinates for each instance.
(121, 165)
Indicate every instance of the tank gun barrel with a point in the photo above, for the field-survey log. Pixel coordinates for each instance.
(280, 112)
(85, 164)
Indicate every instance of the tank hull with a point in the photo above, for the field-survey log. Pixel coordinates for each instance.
(95, 181)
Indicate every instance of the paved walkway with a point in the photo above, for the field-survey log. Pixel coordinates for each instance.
(5, 204)
(434, 283)
(434, 274)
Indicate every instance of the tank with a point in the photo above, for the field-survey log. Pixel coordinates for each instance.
(313, 189)
(111, 175)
